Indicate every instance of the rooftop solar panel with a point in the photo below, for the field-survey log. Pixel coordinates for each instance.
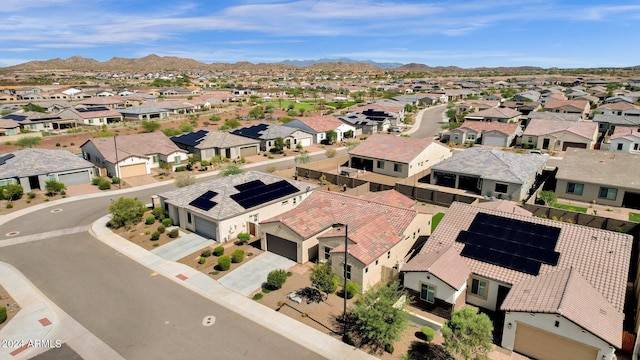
(249, 185)
(258, 193)
(4, 158)
(204, 202)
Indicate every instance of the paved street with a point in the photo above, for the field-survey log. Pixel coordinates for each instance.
(431, 122)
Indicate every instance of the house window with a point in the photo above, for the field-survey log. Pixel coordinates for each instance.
(501, 188)
(619, 147)
(388, 254)
(479, 287)
(380, 164)
(285, 202)
(90, 121)
(397, 167)
(575, 189)
(607, 193)
(156, 158)
(636, 146)
(428, 293)
(377, 262)
(530, 139)
(327, 253)
(366, 270)
(471, 137)
(189, 218)
(294, 201)
(348, 272)
(177, 159)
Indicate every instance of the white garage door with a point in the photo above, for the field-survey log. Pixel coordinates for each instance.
(493, 140)
(544, 345)
(305, 142)
(73, 178)
(205, 228)
(132, 170)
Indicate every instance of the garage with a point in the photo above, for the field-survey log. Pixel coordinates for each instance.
(568, 144)
(493, 140)
(282, 247)
(631, 200)
(305, 141)
(74, 178)
(133, 170)
(205, 228)
(544, 345)
(248, 150)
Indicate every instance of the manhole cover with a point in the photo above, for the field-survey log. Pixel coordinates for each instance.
(13, 233)
(208, 320)
(56, 210)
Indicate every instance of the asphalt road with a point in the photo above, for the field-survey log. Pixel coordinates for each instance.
(431, 122)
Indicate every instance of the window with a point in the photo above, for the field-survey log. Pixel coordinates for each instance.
(377, 262)
(607, 193)
(156, 158)
(636, 146)
(294, 201)
(530, 139)
(619, 147)
(471, 137)
(177, 159)
(189, 218)
(479, 288)
(380, 164)
(388, 254)
(366, 270)
(348, 272)
(501, 188)
(397, 167)
(90, 121)
(285, 202)
(52, 177)
(575, 189)
(327, 253)
(428, 293)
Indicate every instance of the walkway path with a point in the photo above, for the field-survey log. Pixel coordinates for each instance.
(249, 277)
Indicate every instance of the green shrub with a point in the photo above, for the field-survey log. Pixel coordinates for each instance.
(158, 212)
(173, 233)
(428, 333)
(9, 206)
(351, 289)
(167, 222)
(115, 180)
(161, 229)
(257, 296)
(388, 348)
(237, 256)
(155, 236)
(276, 278)
(205, 163)
(206, 253)
(31, 195)
(180, 168)
(150, 220)
(3, 314)
(104, 185)
(11, 192)
(96, 180)
(218, 250)
(224, 263)
(202, 260)
(244, 237)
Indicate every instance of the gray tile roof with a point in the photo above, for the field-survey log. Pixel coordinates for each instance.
(31, 162)
(618, 120)
(219, 139)
(225, 187)
(547, 115)
(614, 168)
(139, 110)
(493, 164)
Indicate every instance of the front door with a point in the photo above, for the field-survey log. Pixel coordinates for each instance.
(545, 144)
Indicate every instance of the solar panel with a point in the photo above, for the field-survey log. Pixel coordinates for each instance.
(203, 202)
(91, 109)
(4, 158)
(190, 139)
(258, 194)
(249, 185)
(510, 243)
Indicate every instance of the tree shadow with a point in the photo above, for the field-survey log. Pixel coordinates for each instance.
(310, 295)
(419, 350)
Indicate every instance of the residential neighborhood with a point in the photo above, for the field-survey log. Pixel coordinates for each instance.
(288, 202)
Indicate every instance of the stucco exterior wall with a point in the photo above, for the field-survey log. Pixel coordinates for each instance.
(590, 193)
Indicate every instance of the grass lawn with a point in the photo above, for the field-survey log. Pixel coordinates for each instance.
(436, 220)
(571, 208)
(634, 217)
(296, 106)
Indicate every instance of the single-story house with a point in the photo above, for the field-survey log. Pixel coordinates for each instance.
(484, 257)
(32, 168)
(492, 173)
(319, 125)
(397, 156)
(136, 154)
(601, 177)
(380, 229)
(525, 108)
(144, 113)
(617, 108)
(363, 125)
(607, 123)
(174, 106)
(568, 106)
(487, 133)
(96, 115)
(222, 208)
(37, 121)
(504, 115)
(111, 101)
(207, 144)
(555, 135)
(549, 116)
(626, 139)
(268, 133)
(9, 127)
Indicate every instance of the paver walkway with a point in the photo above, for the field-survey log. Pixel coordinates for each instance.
(249, 277)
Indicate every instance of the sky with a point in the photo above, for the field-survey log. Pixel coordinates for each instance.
(483, 33)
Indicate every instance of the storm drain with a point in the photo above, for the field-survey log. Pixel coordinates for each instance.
(208, 320)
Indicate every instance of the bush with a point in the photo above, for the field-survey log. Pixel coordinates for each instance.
(3, 314)
(31, 195)
(206, 253)
(351, 289)
(9, 206)
(257, 296)
(158, 212)
(224, 263)
(205, 163)
(11, 192)
(115, 180)
(244, 237)
(330, 153)
(104, 185)
(155, 236)
(201, 260)
(237, 256)
(161, 229)
(150, 220)
(167, 222)
(126, 211)
(218, 250)
(276, 278)
(428, 333)
(388, 348)
(96, 180)
(57, 144)
(180, 168)
(173, 233)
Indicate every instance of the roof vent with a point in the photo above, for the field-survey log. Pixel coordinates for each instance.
(594, 237)
(603, 312)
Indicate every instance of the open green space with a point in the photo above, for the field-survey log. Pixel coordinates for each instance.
(436, 220)
(635, 217)
(570, 207)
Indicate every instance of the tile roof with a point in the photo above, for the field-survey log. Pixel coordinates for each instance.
(618, 106)
(445, 264)
(139, 110)
(601, 257)
(505, 206)
(170, 104)
(225, 187)
(538, 127)
(142, 145)
(8, 124)
(204, 139)
(392, 148)
(554, 116)
(578, 104)
(625, 132)
(30, 162)
(565, 292)
(95, 112)
(265, 131)
(389, 197)
(493, 164)
(321, 123)
(500, 113)
(618, 120)
(374, 227)
(617, 169)
(483, 126)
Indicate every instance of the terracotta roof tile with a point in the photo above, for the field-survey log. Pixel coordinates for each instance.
(392, 148)
(138, 144)
(446, 264)
(321, 123)
(539, 127)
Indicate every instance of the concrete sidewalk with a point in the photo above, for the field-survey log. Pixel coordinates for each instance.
(202, 284)
(186, 244)
(40, 325)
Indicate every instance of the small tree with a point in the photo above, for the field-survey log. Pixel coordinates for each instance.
(303, 158)
(126, 211)
(150, 126)
(468, 334)
(54, 187)
(231, 169)
(276, 278)
(332, 136)
(164, 166)
(323, 278)
(278, 145)
(548, 197)
(451, 114)
(257, 112)
(11, 192)
(184, 179)
(28, 141)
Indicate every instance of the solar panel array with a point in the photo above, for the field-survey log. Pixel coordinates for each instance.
(204, 202)
(190, 139)
(91, 109)
(4, 158)
(256, 193)
(510, 243)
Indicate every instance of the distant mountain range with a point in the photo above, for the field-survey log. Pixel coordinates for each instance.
(307, 63)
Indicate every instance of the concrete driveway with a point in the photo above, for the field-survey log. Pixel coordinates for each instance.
(250, 276)
(185, 245)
